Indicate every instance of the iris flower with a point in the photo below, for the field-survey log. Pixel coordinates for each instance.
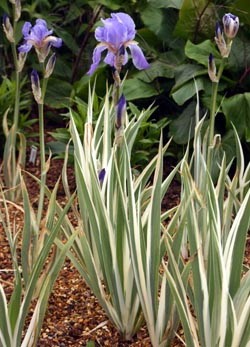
(116, 35)
(40, 37)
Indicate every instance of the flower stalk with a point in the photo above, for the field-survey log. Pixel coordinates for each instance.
(42, 151)
(213, 106)
(11, 174)
(41, 38)
(230, 29)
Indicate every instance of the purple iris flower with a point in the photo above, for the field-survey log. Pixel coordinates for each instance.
(116, 36)
(40, 37)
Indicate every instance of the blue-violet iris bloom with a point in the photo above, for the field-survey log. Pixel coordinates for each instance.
(40, 37)
(116, 36)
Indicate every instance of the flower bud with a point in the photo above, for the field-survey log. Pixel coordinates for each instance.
(101, 175)
(17, 10)
(21, 60)
(120, 112)
(120, 118)
(36, 89)
(221, 43)
(8, 29)
(230, 25)
(212, 69)
(50, 66)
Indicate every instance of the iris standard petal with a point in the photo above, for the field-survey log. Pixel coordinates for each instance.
(116, 34)
(39, 31)
(100, 34)
(26, 29)
(96, 58)
(42, 22)
(138, 57)
(127, 22)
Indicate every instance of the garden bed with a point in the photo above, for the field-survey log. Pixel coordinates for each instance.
(74, 316)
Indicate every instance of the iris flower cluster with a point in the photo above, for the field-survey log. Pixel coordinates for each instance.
(230, 29)
(116, 36)
(41, 38)
(223, 38)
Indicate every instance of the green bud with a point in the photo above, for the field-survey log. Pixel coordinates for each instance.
(18, 10)
(8, 29)
(36, 89)
(50, 66)
(21, 60)
(212, 69)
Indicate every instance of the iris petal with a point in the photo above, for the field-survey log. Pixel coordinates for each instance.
(127, 22)
(96, 58)
(53, 41)
(110, 59)
(100, 34)
(26, 47)
(26, 29)
(138, 57)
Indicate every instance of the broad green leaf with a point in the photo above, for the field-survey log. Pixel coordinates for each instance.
(58, 93)
(239, 116)
(4, 6)
(196, 18)
(166, 3)
(68, 40)
(239, 56)
(157, 69)
(186, 72)
(182, 128)
(241, 9)
(201, 51)
(188, 90)
(161, 22)
(136, 89)
(111, 4)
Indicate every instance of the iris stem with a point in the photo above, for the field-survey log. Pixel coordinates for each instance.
(213, 112)
(11, 174)
(16, 113)
(42, 152)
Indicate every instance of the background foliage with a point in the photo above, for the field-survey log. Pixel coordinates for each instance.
(177, 37)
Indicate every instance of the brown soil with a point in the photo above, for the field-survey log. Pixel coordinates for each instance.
(74, 316)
